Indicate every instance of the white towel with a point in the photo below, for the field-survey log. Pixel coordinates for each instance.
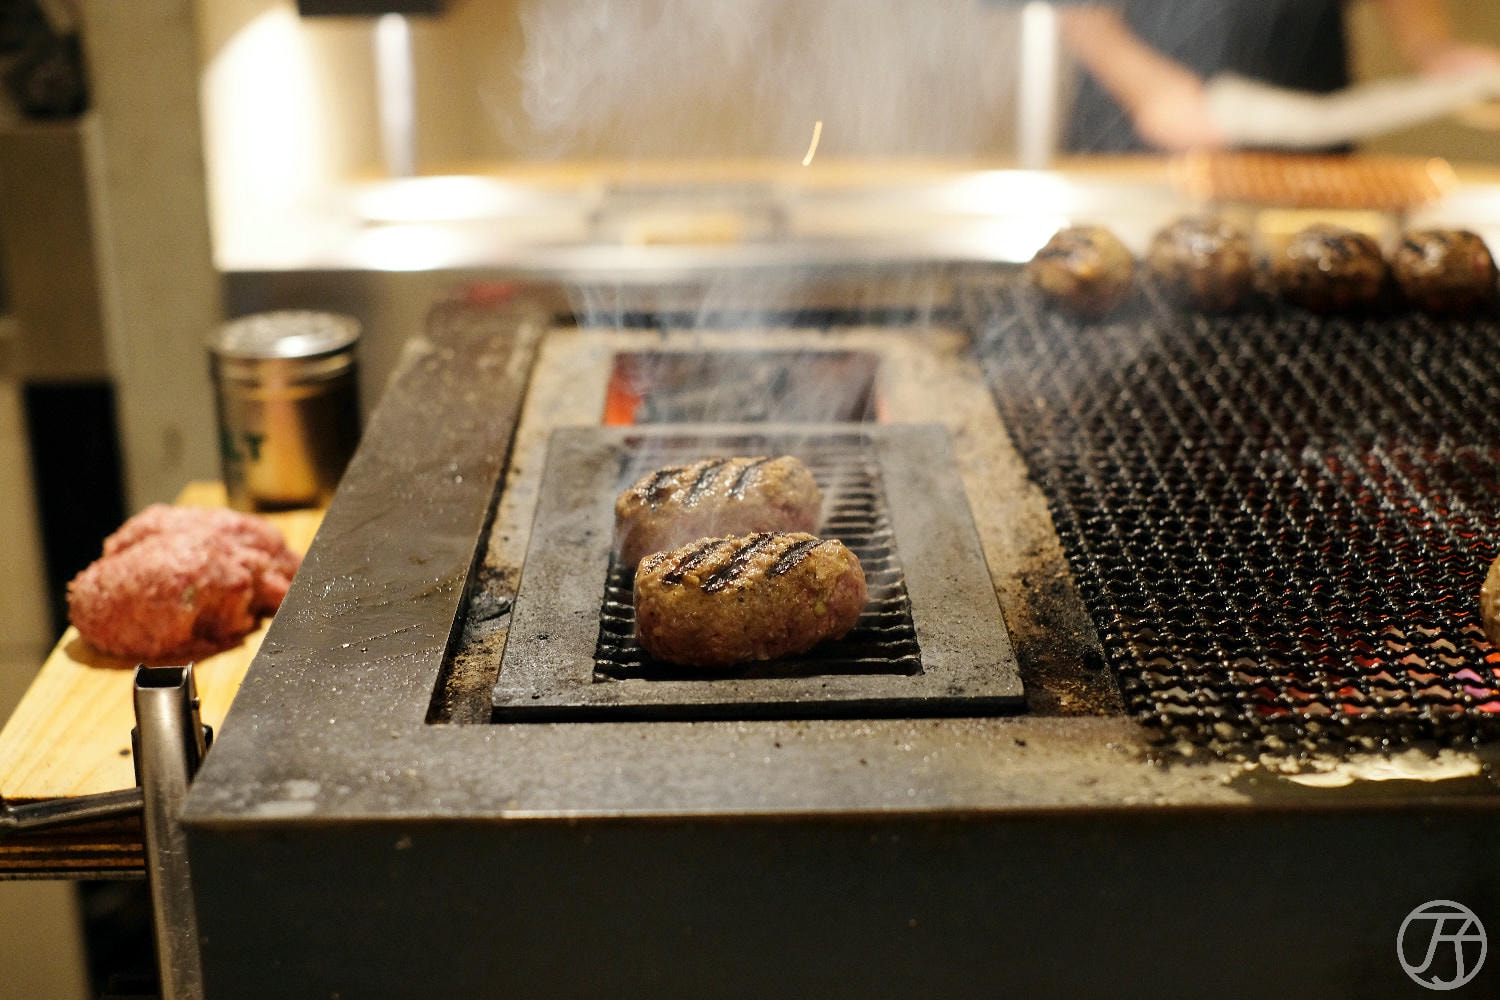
(1250, 113)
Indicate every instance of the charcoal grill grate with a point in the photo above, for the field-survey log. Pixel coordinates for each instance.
(1279, 522)
(883, 641)
(935, 645)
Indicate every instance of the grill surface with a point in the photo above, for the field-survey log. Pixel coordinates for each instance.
(931, 642)
(883, 642)
(1279, 522)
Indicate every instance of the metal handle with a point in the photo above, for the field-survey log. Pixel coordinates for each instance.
(170, 742)
(49, 813)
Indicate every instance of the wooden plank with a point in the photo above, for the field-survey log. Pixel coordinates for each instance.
(70, 734)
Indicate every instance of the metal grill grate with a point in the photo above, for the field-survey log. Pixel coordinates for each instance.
(1279, 522)
(883, 642)
(932, 642)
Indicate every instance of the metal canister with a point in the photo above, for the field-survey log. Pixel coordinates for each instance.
(287, 394)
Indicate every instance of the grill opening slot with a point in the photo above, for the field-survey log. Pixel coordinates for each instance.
(741, 386)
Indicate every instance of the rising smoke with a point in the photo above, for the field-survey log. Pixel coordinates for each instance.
(713, 78)
(719, 79)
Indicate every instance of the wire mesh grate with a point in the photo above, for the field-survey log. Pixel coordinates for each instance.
(1278, 521)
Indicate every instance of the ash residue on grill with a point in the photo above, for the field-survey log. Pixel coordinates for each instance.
(469, 674)
(883, 642)
(1279, 522)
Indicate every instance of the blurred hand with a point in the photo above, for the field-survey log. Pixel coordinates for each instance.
(1461, 57)
(1164, 98)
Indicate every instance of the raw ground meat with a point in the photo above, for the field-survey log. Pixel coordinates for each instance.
(181, 583)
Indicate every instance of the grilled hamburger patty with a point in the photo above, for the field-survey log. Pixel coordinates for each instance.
(1204, 262)
(717, 496)
(1329, 268)
(1447, 272)
(1084, 270)
(715, 602)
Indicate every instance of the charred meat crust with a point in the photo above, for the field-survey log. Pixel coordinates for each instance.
(1489, 603)
(1084, 270)
(1447, 272)
(1204, 262)
(1328, 268)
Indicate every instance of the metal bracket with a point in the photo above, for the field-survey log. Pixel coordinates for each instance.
(50, 813)
(169, 741)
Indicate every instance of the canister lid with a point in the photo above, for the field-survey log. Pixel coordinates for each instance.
(288, 334)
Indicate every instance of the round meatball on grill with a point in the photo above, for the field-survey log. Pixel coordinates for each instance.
(1327, 268)
(1489, 604)
(1446, 272)
(1084, 270)
(1203, 262)
(716, 602)
(717, 496)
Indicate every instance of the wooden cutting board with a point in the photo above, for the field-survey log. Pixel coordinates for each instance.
(70, 734)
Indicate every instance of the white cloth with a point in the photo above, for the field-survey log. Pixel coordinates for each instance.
(1257, 114)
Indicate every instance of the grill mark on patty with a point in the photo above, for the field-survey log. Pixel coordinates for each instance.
(739, 556)
(792, 556)
(1070, 246)
(661, 484)
(739, 561)
(690, 560)
(1056, 251)
(737, 488)
(705, 481)
(1340, 247)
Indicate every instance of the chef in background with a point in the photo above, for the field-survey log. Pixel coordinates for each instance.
(1148, 63)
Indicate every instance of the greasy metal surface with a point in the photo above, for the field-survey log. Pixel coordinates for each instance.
(47, 814)
(1279, 521)
(555, 666)
(331, 721)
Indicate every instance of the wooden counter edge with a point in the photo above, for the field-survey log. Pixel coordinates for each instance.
(70, 734)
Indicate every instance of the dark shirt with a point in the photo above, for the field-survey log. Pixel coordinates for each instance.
(1289, 43)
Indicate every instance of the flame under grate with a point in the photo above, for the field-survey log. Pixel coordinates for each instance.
(883, 641)
(1279, 522)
